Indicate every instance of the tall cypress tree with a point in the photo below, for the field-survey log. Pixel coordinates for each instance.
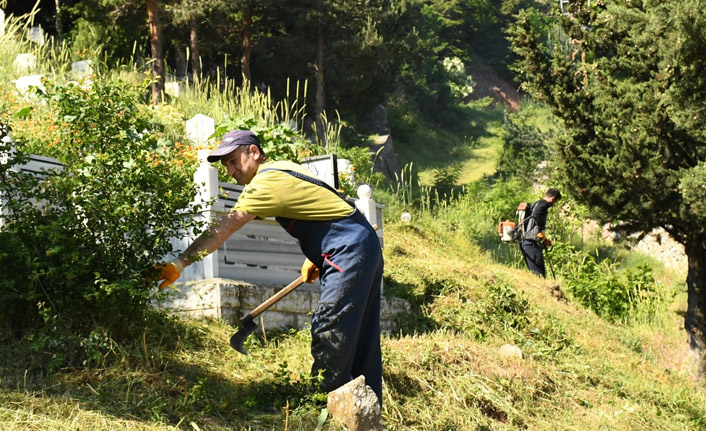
(627, 79)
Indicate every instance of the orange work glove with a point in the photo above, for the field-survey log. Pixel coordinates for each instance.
(544, 239)
(169, 272)
(309, 271)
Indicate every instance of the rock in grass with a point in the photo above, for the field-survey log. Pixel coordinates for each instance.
(356, 406)
(510, 351)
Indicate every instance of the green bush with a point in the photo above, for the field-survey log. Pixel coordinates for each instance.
(77, 245)
(599, 285)
(279, 142)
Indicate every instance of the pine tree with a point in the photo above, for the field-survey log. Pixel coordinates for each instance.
(627, 79)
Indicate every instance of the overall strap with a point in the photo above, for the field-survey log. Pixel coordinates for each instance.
(310, 179)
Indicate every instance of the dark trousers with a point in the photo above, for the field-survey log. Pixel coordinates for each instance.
(534, 257)
(345, 327)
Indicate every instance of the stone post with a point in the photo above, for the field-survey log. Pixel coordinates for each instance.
(24, 83)
(206, 179)
(366, 204)
(81, 69)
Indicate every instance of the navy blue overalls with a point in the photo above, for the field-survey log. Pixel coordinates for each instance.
(345, 327)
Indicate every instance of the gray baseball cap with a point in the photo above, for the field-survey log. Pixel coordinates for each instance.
(231, 141)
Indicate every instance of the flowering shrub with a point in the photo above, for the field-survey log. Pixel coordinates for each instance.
(460, 82)
(77, 245)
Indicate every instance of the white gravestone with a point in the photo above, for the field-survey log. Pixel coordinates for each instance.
(81, 69)
(206, 178)
(199, 128)
(24, 83)
(173, 88)
(36, 35)
(2, 22)
(25, 63)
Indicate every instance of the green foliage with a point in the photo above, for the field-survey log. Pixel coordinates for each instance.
(524, 148)
(279, 141)
(692, 187)
(622, 153)
(299, 391)
(444, 181)
(601, 287)
(505, 308)
(362, 170)
(460, 82)
(629, 90)
(85, 238)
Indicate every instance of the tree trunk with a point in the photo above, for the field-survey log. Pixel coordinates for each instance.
(195, 54)
(57, 20)
(156, 45)
(320, 90)
(695, 321)
(247, 43)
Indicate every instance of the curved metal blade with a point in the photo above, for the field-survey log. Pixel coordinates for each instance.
(237, 340)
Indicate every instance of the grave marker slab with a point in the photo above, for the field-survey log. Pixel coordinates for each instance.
(173, 88)
(24, 83)
(81, 69)
(25, 63)
(199, 128)
(36, 35)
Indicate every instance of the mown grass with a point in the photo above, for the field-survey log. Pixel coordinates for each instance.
(443, 369)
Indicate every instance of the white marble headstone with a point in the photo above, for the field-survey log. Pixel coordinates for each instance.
(2, 22)
(24, 83)
(172, 88)
(81, 69)
(25, 63)
(36, 35)
(199, 128)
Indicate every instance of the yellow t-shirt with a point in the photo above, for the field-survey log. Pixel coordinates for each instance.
(279, 194)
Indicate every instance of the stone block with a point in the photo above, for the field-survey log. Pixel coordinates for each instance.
(391, 307)
(356, 406)
(230, 299)
(510, 351)
(275, 320)
(2, 22)
(303, 300)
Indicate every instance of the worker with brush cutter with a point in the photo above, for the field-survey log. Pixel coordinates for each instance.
(535, 239)
(340, 245)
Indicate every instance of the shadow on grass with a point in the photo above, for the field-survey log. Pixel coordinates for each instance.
(508, 254)
(151, 382)
(443, 144)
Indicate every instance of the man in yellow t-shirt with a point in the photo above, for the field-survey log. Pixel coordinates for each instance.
(337, 240)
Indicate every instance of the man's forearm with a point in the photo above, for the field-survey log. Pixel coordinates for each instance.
(212, 239)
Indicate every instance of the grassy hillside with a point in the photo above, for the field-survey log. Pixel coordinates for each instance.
(443, 370)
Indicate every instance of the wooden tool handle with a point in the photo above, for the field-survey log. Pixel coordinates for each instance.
(276, 297)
